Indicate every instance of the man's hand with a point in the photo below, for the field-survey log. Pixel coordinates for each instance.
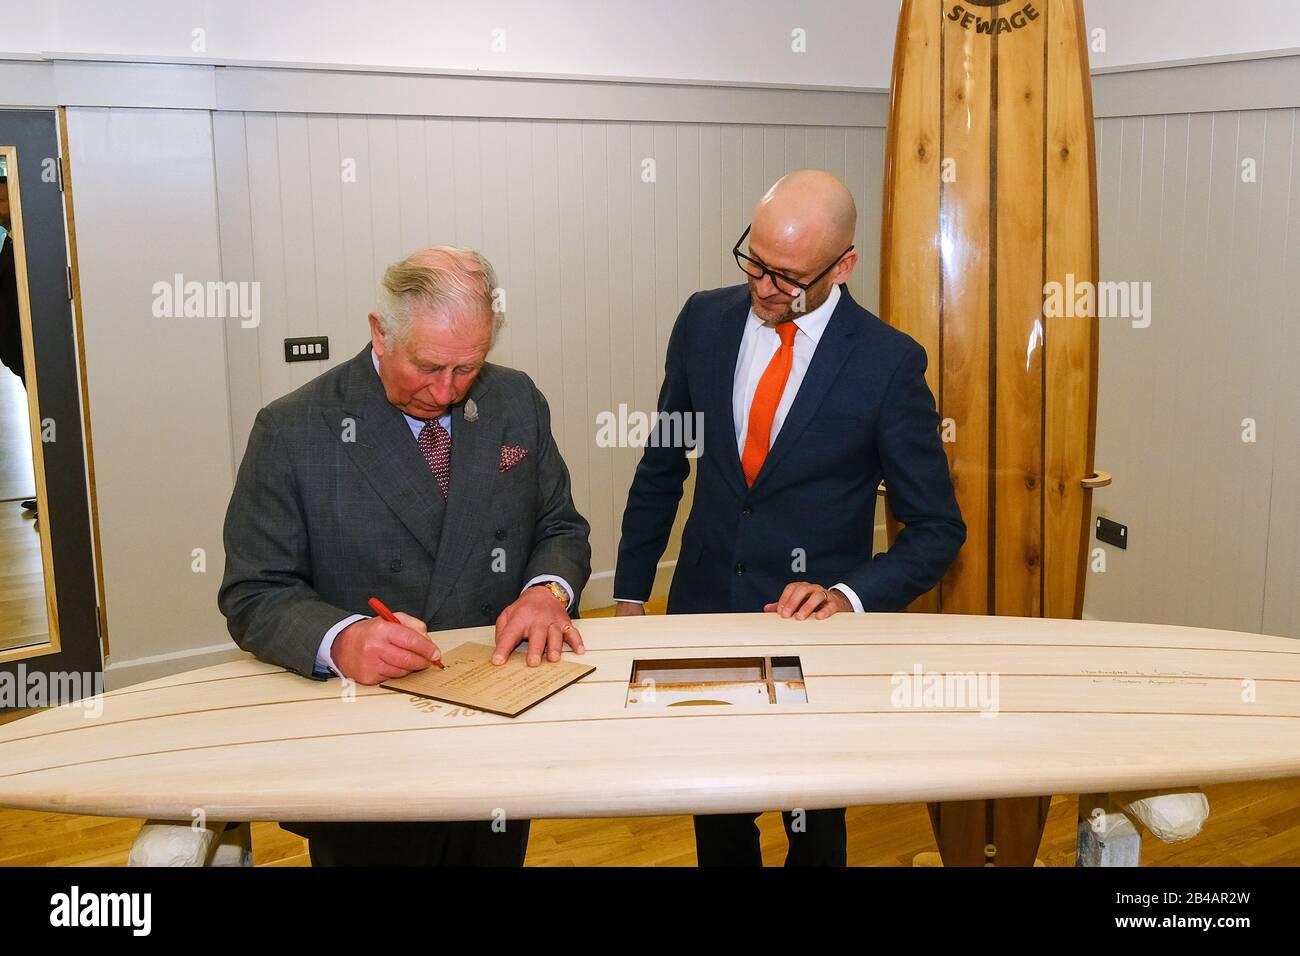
(629, 609)
(375, 650)
(541, 620)
(801, 599)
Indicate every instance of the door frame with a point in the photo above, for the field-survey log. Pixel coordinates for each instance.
(52, 340)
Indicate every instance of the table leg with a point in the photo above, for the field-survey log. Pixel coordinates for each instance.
(1107, 837)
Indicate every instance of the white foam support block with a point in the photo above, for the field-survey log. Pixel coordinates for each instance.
(235, 847)
(1173, 817)
(164, 843)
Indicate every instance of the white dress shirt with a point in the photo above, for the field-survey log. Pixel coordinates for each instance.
(758, 345)
(324, 662)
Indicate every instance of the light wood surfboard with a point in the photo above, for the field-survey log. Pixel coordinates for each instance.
(1082, 707)
(990, 195)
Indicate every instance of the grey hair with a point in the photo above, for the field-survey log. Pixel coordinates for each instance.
(445, 280)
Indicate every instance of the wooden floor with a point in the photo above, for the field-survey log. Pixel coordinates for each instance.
(22, 579)
(22, 582)
(1251, 824)
(1256, 824)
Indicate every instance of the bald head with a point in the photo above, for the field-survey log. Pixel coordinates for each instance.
(800, 227)
(808, 206)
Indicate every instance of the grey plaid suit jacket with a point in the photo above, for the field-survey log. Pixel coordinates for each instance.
(317, 524)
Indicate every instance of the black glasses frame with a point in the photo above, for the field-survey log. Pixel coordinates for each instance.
(741, 259)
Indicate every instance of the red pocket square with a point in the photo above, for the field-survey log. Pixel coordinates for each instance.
(511, 455)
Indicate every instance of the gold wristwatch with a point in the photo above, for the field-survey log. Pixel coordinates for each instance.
(561, 595)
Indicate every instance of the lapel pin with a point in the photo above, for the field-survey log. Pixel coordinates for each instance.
(471, 410)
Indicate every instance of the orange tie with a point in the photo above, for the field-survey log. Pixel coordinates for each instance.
(767, 397)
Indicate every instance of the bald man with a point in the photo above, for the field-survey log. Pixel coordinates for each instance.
(809, 401)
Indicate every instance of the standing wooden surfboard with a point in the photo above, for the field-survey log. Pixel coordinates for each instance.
(990, 194)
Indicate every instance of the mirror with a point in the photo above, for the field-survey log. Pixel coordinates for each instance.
(28, 617)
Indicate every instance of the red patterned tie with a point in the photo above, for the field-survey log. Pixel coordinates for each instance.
(435, 443)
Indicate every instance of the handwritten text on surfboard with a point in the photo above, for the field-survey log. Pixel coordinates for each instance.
(1021, 18)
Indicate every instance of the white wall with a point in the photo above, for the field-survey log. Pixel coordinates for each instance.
(1214, 518)
(145, 209)
(1156, 31)
(849, 42)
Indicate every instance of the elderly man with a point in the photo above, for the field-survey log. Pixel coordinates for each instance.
(808, 402)
(422, 474)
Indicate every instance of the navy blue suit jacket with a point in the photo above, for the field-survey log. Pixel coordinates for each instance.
(863, 413)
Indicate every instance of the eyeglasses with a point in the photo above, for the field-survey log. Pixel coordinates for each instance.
(784, 284)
